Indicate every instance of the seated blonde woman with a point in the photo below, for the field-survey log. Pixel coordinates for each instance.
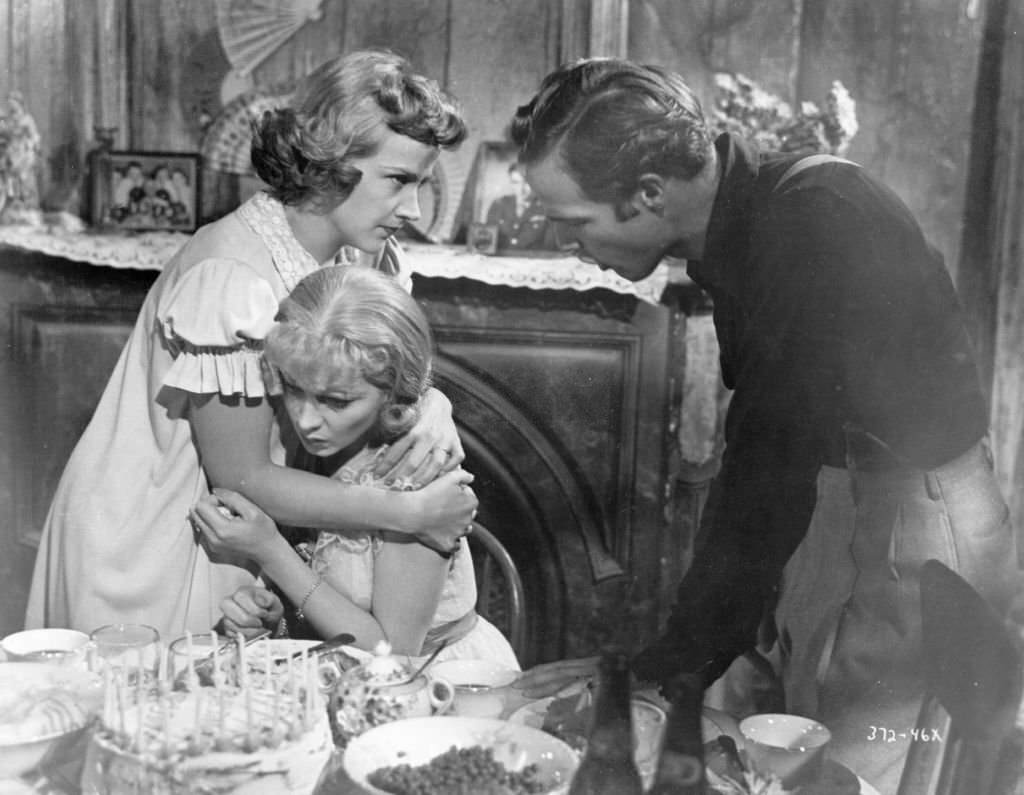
(351, 356)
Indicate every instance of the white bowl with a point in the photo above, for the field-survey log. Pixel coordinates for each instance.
(790, 746)
(415, 741)
(45, 711)
(46, 645)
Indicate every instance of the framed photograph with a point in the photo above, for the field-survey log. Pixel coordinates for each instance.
(145, 191)
(497, 195)
(482, 238)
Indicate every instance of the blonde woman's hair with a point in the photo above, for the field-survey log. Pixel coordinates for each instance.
(353, 316)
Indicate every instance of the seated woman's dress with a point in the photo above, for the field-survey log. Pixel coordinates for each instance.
(346, 560)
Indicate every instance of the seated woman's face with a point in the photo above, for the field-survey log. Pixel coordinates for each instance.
(387, 195)
(335, 416)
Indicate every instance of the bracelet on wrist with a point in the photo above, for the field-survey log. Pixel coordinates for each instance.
(300, 614)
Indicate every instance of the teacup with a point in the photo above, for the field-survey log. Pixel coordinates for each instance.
(790, 746)
(481, 686)
(61, 646)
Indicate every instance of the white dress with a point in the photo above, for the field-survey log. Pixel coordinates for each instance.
(346, 560)
(117, 545)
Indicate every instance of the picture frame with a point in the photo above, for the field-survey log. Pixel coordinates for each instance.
(137, 191)
(496, 195)
(482, 238)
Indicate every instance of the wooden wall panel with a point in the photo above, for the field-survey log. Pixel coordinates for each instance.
(34, 66)
(992, 263)
(37, 302)
(494, 73)
(416, 28)
(456, 47)
(911, 66)
(757, 39)
(160, 34)
(64, 355)
(671, 34)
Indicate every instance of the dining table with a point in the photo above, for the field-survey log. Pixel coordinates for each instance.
(64, 777)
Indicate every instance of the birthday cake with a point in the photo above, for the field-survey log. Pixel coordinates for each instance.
(268, 737)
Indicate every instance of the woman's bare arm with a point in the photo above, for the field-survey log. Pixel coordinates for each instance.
(233, 439)
(250, 532)
(407, 582)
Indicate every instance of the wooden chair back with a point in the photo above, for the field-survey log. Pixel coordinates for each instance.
(965, 740)
(500, 593)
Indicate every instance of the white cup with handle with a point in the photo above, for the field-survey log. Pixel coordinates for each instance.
(481, 686)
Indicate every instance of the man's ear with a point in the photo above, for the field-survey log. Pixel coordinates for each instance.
(650, 193)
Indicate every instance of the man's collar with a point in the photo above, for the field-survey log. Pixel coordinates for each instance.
(725, 246)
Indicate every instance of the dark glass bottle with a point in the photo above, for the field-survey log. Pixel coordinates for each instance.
(681, 765)
(607, 767)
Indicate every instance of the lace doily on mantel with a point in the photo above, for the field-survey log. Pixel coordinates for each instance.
(537, 273)
(150, 250)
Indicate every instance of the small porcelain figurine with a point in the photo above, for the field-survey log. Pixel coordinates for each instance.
(380, 691)
(20, 147)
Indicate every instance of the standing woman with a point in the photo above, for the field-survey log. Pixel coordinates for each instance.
(186, 411)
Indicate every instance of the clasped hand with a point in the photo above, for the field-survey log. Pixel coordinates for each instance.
(250, 610)
(428, 458)
(232, 525)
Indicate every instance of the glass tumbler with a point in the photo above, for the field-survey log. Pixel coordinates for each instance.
(131, 652)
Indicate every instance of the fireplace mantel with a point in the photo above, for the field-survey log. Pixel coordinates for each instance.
(149, 251)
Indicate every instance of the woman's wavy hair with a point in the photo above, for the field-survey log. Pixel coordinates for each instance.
(344, 316)
(304, 152)
(611, 121)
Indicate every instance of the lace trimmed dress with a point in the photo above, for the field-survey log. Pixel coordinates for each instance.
(117, 545)
(346, 561)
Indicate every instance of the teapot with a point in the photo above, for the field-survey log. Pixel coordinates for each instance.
(382, 690)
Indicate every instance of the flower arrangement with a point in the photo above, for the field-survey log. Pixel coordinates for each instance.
(744, 108)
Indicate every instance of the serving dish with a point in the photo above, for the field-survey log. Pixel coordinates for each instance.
(416, 741)
(45, 713)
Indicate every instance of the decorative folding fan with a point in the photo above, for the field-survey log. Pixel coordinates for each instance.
(227, 141)
(250, 30)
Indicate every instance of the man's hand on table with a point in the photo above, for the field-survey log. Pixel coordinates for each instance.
(549, 679)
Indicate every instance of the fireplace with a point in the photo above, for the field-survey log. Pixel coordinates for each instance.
(565, 403)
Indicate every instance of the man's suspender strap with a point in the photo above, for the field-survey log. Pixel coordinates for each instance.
(807, 162)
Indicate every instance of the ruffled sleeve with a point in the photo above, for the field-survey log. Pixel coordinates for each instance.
(214, 320)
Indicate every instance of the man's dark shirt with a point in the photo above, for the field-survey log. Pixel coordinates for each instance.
(831, 312)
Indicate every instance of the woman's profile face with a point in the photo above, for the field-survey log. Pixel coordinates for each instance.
(386, 196)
